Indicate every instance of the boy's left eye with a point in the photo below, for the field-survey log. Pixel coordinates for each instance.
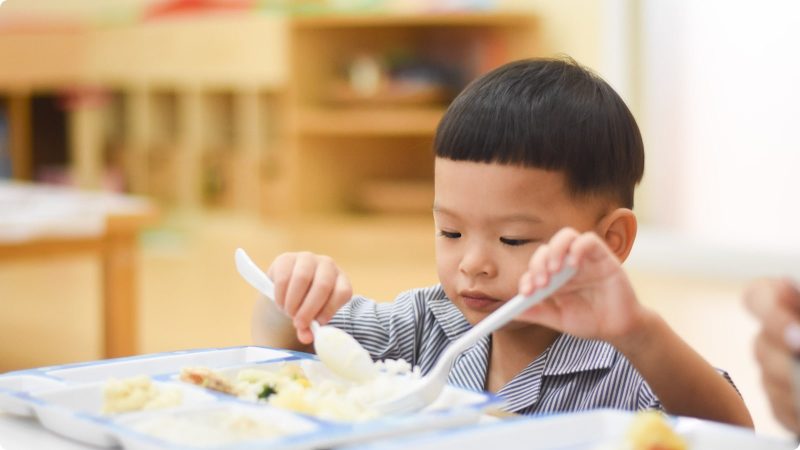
(515, 242)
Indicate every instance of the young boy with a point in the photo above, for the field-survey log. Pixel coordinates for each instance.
(533, 147)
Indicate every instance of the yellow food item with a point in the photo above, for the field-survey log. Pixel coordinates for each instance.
(137, 394)
(651, 431)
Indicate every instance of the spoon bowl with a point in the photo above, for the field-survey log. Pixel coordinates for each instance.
(337, 350)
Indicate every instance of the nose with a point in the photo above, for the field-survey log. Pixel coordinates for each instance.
(477, 261)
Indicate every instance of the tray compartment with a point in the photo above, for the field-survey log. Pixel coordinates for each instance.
(218, 425)
(15, 390)
(77, 411)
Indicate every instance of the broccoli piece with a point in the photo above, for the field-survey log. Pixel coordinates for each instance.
(267, 391)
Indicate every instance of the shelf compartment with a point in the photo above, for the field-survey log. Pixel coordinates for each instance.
(445, 19)
(396, 196)
(369, 121)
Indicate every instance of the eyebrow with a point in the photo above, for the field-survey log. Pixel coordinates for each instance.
(507, 218)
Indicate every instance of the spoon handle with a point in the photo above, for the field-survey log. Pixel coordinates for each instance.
(512, 309)
(254, 275)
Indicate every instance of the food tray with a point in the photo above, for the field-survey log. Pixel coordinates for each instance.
(68, 400)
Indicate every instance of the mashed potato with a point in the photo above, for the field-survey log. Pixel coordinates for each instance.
(137, 394)
(310, 388)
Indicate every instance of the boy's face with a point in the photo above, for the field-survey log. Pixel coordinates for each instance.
(490, 218)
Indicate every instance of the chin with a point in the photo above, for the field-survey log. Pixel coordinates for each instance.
(472, 316)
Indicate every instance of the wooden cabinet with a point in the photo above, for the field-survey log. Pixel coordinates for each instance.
(182, 110)
(366, 95)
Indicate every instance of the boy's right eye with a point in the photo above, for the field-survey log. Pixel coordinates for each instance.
(449, 234)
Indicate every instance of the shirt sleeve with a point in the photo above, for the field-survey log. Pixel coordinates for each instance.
(647, 398)
(386, 330)
(728, 378)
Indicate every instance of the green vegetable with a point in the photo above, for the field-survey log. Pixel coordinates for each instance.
(267, 391)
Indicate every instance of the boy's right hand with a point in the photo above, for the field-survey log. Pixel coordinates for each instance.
(308, 287)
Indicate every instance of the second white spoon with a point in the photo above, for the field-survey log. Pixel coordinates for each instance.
(339, 351)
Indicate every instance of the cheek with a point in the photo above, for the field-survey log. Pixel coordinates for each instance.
(446, 260)
(514, 265)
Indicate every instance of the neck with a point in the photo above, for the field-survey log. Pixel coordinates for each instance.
(513, 350)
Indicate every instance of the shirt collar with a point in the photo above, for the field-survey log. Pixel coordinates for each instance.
(566, 355)
(469, 369)
(453, 323)
(570, 354)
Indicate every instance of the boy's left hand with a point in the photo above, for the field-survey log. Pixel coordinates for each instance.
(597, 303)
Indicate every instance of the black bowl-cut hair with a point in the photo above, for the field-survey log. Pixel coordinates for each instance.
(550, 114)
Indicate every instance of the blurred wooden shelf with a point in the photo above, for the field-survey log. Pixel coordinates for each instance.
(396, 196)
(367, 93)
(444, 19)
(369, 121)
(389, 94)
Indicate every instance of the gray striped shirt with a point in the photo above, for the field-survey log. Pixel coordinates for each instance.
(573, 374)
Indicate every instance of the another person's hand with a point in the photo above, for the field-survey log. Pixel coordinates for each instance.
(308, 287)
(597, 303)
(776, 305)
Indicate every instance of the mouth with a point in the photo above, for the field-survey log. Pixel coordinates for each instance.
(479, 301)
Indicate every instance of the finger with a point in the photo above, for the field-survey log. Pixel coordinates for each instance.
(775, 362)
(775, 303)
(589, 246)
(342, 293)
(538, 266)
(302, 276)
(305, 336)
(280, 271)
(320, 292)
(527, 283)
(782, 403)
(559, 247)
(780, 383)
(766, 294)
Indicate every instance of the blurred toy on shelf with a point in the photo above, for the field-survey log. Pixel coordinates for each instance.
(394, 79)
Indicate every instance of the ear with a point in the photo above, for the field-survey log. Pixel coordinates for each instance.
(618, 230)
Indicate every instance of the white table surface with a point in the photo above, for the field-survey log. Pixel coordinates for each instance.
(33, 211)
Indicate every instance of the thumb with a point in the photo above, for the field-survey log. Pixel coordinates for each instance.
(305, 336)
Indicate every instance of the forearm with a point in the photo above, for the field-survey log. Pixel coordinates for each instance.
(683, 381)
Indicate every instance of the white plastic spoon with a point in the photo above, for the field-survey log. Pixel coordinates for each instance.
(339, 351)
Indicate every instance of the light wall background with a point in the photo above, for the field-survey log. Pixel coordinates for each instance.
(721, 104)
